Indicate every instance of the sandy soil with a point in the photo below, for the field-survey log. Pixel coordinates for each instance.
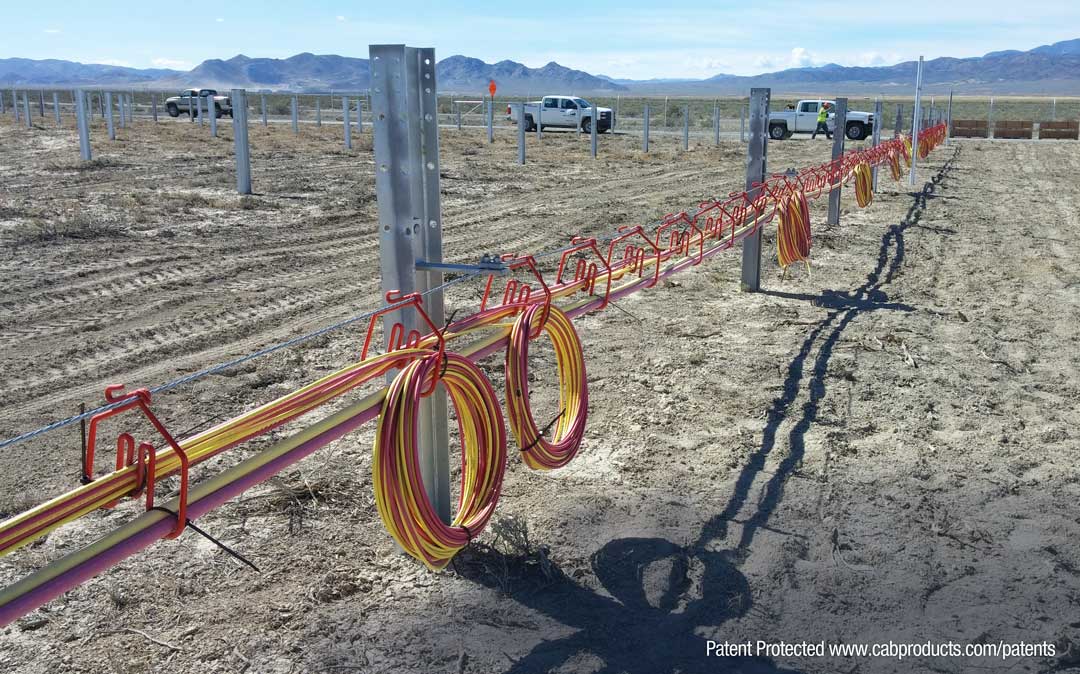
(880, 451)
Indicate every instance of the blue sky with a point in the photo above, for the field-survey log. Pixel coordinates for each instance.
(611, 37)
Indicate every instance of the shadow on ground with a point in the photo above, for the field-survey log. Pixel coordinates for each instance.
(628, 632)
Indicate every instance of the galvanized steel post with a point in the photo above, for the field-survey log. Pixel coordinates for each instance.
(360, 115)
(83, 124)
(899, 122)
(56, 108)
(916, 119)
(120, 109)
(948, 121)
(406, 140)
(212, 113)
(686, 127)
(240, 140)
(645, 130)
(716, 123)
(345, 121)
(26, 110)
(990, 121)
(457, 110)
(756, 164)
(295, 115)
(262, 97)
(109, 116)
(594, 124)
(839, 136)
(877, 136)
(742, 124)
(521, 132)
(318, 111)
(41, 103)
(153, 105)
(491, 119)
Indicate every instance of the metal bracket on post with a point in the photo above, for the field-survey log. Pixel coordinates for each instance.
(915, 119)
(83, 125)
(406, 140)
(839, 134)
(240, 140)
(877, 137)
(756, 163)
(645, 131)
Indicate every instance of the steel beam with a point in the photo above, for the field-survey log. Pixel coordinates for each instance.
(345, 122)
(406, 139)
(839, 136)
(916, 119)
(594, 129)
(81, 114)
(645, 130)
(756, 165)
(240, 140)
(109, 116)
(877, 136)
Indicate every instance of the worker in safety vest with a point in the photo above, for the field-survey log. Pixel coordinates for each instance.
(823, 121)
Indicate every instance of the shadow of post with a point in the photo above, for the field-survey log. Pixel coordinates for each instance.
(626, 631)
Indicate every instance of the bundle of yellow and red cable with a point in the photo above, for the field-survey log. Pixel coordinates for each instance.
(402, 502)
(864, 184)
(539, 453)
(894, 165)
(793, 231)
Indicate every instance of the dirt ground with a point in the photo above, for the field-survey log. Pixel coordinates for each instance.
(880, 451)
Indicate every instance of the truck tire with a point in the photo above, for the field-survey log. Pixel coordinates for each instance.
(855, 130)
(778, 132)
(172, 110)
(586, 125)
(529, 125)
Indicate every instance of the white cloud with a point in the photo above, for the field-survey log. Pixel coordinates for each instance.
(172, 64)
(801, 58)
(113, 62)
(220, 20)
(53, 31)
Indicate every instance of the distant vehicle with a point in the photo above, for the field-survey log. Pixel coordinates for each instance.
(183, 103)
(563, 111)
(803, 119)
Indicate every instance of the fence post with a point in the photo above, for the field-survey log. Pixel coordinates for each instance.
(948, 121)
(26, 110)
(521, 133)
(41, 103)
(406, 140)
(742, 124)
(645, 131)
(83, 124)
(360, 115)
(594, 124)
(56, 108)
(877, 136)
(211, 112)
(15, 104)
(295, 115)
(262, 98)
(916, 119)
(685, 128)
(120, 109)
(240, 140)
(346, 122)
(839, 136)
(491, 119)
(716, 122)
(989, 121)
(109, 116)
(101, 103)
(756, 164)
(899, 122)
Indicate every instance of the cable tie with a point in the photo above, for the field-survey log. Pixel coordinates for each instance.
(191, 525)
(544, 432)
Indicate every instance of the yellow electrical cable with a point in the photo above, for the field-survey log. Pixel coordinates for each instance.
(864, 185)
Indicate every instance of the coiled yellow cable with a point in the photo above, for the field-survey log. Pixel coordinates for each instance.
(539, 453)
(402, 502)
(864, 185)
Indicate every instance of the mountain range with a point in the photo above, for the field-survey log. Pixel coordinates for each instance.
(1050, 69)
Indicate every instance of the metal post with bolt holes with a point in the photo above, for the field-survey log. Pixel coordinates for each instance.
(211, 113)
(915, 122)
(990, 120)
(685, 127)
(716, 123)
(948, 121)
(26, 110)
(81, 109)
(109, 116)
(56, 108)
(594, 128)
(41, 103)
(240, 141)
(406, 139)
(756, 165)
(295, 115)
(262, 98)
(742, 124)
(645, 131)
(837, 151)
(876, 137)
(345, 121)
(360, 115)
(521, 133)
(899, 124)
(318, 111)
(491, 119)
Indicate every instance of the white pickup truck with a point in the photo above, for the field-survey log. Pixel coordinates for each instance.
(565, 111)
(803, 119)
